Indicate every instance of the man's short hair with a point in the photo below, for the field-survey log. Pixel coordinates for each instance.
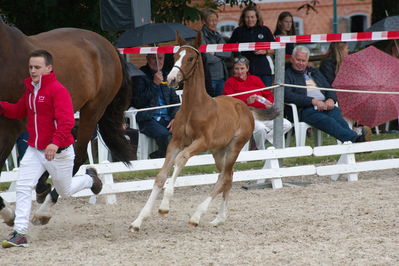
(301, 49)
(48, 58)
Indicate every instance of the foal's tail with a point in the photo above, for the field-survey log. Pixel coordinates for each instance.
(111, 123)
(264, 114)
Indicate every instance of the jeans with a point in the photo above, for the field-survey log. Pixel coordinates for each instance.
(33, 165)
(218, 85)
(22, 144)
(157, 130)
(330, 122)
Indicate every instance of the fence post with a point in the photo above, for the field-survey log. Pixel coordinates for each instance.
(278, 136)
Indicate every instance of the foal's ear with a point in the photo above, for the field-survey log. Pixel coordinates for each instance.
(198, 40)
(180, 40)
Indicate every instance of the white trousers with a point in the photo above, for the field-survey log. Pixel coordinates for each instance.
(33, 165)
(263, 131)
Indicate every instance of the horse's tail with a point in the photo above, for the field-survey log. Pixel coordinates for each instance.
(264, 114)
(111, 123)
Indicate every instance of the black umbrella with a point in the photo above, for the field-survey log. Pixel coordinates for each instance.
(153, 33)
(386, 24)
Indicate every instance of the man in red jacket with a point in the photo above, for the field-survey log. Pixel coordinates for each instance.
(50, 118)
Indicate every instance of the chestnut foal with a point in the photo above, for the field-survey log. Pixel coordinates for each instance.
(221, 125)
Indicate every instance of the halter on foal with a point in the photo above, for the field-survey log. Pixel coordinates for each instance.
(221, 125)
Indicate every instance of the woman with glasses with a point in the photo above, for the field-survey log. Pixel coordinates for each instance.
(242, 81)
(214, 61)
(285, 27)
(251, 29)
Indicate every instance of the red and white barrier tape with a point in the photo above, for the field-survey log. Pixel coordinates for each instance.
(340, 37)
(207, 48)
(281, 41)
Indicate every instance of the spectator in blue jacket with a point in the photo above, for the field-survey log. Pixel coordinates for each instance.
(251, 29)
(317, 107)
(150, 91)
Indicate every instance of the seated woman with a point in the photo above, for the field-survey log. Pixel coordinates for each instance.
(329, 67)
(242, 81)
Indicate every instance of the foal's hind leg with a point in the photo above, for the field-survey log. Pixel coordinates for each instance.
(6, 213)
(158, 185)
(225, 159)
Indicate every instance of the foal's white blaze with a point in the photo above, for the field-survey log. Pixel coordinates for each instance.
(201, 209)
(146, 211)
(175, 70)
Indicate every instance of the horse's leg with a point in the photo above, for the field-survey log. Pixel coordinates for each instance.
(160, 180)
(6, 213)
(196, 147)
(43, 215)
(227, 157)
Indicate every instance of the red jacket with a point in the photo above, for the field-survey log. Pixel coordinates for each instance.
(50, 114)
(237, 84)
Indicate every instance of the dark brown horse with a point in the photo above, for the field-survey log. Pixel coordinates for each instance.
(221, 125)
(91, 69)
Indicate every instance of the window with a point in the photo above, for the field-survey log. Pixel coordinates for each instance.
(226, 27)
(358, 22)
(298, 24)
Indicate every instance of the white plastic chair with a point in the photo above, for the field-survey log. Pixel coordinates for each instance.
(301, 129)
(145, 144)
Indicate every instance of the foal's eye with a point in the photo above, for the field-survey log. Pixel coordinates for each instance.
(190, 59)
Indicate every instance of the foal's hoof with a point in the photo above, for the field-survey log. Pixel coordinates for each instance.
(134, 228)
(163, 213)
(40, 220)
(192, 224)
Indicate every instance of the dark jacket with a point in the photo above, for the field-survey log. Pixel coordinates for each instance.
(215, 62)
(327, 68)
(145, 94)
(298, 96)
(259, 65)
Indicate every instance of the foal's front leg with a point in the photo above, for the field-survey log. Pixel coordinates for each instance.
(158, 185)
(196, 147)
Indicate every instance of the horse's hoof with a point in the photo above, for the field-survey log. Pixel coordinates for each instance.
(163, 213)
(134, 229)
(192, 224)
(40, 220)
(9, 223)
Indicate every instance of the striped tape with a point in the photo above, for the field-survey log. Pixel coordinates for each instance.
(280, 43)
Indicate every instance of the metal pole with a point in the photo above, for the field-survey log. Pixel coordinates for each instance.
(335, 18)
(278, 136)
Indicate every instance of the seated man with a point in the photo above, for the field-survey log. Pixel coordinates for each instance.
(150, 91)
(317, 107)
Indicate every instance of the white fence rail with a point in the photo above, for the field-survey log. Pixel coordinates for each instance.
(271, 170)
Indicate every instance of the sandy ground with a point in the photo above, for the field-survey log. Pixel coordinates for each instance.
(323, 223)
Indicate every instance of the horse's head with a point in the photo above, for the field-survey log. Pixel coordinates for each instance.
(186, 60)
